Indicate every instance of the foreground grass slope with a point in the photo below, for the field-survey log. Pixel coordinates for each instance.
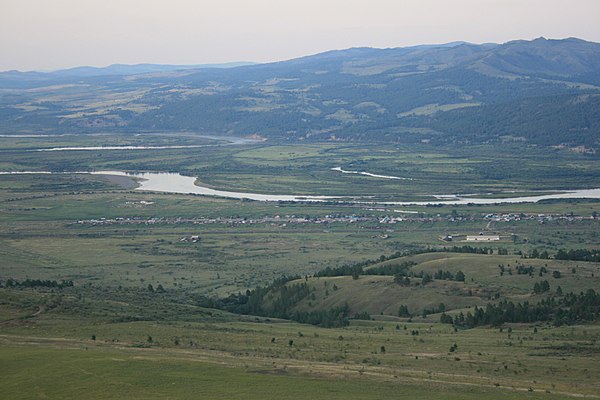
(65, 356)
(107, 374)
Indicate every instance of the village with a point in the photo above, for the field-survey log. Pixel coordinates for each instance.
(283, 220)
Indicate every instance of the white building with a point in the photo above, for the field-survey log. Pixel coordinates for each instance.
(482, 238)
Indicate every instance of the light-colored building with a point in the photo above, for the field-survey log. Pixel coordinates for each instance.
(482, 238)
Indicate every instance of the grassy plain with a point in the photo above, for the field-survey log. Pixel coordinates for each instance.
(113, 241)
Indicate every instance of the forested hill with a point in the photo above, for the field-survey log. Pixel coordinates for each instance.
(544, 92)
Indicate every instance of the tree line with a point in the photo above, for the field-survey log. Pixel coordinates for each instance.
(566, 310)
(578, 255)
(32, 283)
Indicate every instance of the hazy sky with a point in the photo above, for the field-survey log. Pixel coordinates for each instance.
(51, 34)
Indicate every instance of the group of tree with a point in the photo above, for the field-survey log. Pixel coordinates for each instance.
(578, 255)
(403, 311)
(278, 300)
(332, 318)
(568, 309)
(541, 287)
(449, 276)
(468, 249)
(525, 270)
(404, 267)
(528, 270)
(441, 308)
(34, 283)
(401, 280)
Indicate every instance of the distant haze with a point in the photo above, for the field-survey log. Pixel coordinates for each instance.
(45, 35)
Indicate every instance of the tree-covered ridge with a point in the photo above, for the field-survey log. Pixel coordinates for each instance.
(277, 300)
(544, 92)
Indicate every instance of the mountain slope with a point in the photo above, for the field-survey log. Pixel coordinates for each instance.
(543, 92)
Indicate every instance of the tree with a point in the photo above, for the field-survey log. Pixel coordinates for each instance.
(556, 274)
(460, 276)
(446, 319)
(402, 280)
(150, 288)
(426, 279)
(403, 311)
(534, 253)
(541, 287)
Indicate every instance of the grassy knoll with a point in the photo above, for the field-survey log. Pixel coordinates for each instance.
(484, 282)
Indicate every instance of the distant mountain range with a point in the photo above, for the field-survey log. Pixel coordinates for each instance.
(542, 92)
(7, 77)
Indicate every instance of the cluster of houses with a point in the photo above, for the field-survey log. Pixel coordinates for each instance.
(542, 218)
(332, 218)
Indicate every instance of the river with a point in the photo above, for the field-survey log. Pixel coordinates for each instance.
(180, 184)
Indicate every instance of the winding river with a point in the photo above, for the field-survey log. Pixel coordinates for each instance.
(180, 184)
(177, 183)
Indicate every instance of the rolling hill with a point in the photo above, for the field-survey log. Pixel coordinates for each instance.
(487, 279)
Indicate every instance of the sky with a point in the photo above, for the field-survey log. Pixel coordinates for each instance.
(54, 34)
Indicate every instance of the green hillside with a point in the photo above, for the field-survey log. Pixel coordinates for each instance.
(487, 279)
